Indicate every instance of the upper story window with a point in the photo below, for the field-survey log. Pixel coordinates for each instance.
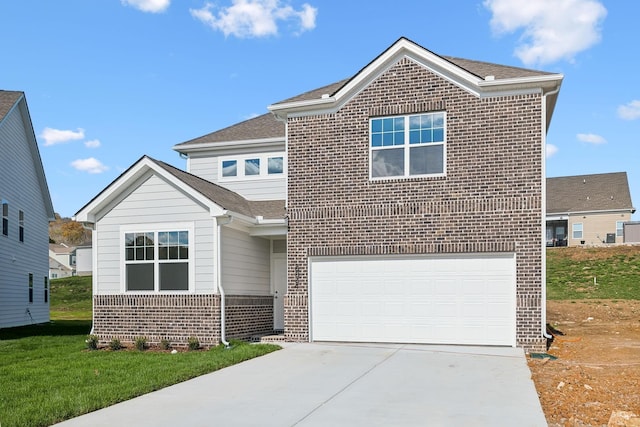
(5, 218)
(252, 166)
(157, 261)
(408, 146)
(21, 226)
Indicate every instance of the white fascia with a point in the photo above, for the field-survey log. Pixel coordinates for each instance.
(247, 143)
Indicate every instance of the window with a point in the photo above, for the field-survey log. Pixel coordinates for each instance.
(576, 230)
(275, 165)
(230, 168)
(252, 166)
(157, 260)
(46, 289)
(21, 225)
(407, 146)
(5, 218)
(619, 228)
(30, 287)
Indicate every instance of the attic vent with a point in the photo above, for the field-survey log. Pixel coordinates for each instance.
(588, 198)
(584, 181)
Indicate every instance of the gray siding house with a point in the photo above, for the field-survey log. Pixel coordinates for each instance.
(414, 213)
(26, 209)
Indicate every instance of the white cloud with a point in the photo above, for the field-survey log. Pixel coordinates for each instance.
(591, 138)
(255, 18)
(152, 6)
(56, 136)
(94, 143)
(631, 111)
(551, 29)
(90, 165)
(551, 150)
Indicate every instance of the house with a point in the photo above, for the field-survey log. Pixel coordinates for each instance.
(414, 214)
(26, 210)
(588, 209)
(62, 260)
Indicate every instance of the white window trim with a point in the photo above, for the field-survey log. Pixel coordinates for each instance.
(407, 148)
(264, 167)
(155, 228)
(620, 230)
(573, 230)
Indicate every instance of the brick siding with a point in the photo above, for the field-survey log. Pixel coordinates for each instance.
(489, 201)
(177, 317)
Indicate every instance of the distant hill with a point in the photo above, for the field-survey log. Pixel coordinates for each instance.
(69, 232)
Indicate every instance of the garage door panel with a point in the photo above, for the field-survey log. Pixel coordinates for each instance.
(466, 299)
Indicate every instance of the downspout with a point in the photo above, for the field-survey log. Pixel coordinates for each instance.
(229, 220)
(543, 325)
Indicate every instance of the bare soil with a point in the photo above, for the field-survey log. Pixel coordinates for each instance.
(597, 370)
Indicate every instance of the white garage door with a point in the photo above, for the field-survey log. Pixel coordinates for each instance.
(466, 299)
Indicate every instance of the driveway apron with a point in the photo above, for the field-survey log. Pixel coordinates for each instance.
(330, 384)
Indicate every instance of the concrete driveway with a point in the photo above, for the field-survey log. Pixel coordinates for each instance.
(333, 384)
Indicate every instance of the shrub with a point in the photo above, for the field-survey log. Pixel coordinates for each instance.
(141, 343)
(164, 344)
(115, 344)
(92, 342)
(194, 344)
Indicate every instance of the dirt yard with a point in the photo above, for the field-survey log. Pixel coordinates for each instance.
(597, 370)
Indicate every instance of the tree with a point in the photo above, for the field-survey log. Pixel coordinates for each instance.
(72, 232)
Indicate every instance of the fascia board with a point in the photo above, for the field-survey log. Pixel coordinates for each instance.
(477, 86)
(213, 146)
(144, 167)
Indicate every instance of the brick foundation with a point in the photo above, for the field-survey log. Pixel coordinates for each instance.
(247, 316)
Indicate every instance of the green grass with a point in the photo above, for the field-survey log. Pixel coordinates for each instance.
(571, 272)
(47, 375)
(71, 298)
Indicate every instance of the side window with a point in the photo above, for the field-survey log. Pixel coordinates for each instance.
(30, 287)
(21, 225)
(619, 228)
(576, 230)
(5, 218)
(229, 168)
(46, 289)
(275, 165)
(251, 166)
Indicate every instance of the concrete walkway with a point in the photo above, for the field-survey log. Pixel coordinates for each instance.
(346, 385)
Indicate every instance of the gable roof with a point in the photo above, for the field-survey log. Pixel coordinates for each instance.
(589, 193)
(219, 200)
(481, 79)
(10, 100)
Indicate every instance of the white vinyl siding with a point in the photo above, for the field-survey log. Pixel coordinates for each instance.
(154, 201)
(271, 187)
(245, 263)
(19, 185)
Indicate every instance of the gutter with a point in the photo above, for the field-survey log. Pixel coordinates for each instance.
(543, 325)
(220, 222)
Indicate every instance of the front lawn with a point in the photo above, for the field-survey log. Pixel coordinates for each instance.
(49, 376)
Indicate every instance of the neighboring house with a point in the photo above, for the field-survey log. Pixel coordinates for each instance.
(588, 209)
(63, 255)
(84, 261)
(26, 209)
(414, 213)
(58, 270)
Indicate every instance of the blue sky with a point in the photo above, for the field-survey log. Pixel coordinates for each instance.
(111, 80)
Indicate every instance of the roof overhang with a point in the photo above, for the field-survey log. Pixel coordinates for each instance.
(262, 143)
(479, 86)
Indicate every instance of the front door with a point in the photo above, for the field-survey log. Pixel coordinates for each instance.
(279, 280)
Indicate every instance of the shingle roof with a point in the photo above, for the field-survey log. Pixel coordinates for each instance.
(261, 127)
(267, 126)
(225, 198)
(7, 100)
(585, 193)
